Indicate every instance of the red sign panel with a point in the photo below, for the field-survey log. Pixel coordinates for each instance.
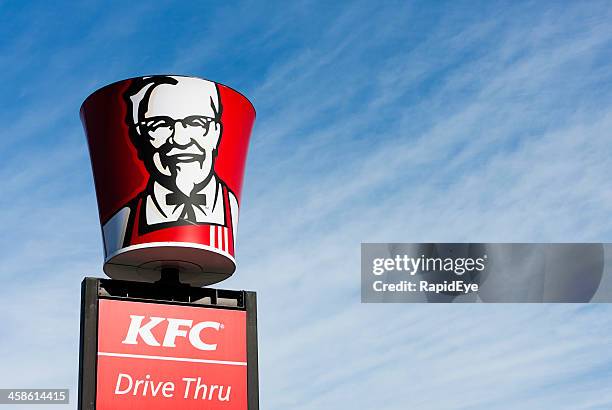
(159, 356)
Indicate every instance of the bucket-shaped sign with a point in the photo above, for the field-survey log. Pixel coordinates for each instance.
(168, 155)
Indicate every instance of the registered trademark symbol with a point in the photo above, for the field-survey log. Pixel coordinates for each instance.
(222, 327)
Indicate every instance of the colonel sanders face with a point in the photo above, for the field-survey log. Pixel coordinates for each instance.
(176, 128)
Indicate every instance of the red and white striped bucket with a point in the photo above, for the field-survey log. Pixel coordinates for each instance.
(168, 155)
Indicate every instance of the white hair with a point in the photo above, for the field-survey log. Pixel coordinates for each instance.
(137, 98)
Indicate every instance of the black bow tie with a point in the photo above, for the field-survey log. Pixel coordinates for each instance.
(190, 202)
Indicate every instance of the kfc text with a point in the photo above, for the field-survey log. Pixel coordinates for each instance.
(176, 328)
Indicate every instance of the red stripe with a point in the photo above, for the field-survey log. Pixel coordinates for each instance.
(228, 222)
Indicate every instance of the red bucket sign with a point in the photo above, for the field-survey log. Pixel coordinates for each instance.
(168, 156)
(157, 356)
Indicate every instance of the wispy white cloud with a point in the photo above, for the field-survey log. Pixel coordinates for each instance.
(494, 156)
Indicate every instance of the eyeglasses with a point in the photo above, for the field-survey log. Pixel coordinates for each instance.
(163, 127)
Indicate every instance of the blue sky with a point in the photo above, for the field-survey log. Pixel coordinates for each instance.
(393, 121)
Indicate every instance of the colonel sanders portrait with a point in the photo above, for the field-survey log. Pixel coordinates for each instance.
(175, 127)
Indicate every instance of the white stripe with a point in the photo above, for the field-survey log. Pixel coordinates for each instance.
(212, 236)
(171, 359)
(219, 238)
(226, 233)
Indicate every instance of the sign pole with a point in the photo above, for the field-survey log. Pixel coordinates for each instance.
(252, 359)
(88, 344)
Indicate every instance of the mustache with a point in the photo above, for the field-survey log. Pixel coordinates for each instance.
(170, 154)
(169, 149)
(191, 150)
